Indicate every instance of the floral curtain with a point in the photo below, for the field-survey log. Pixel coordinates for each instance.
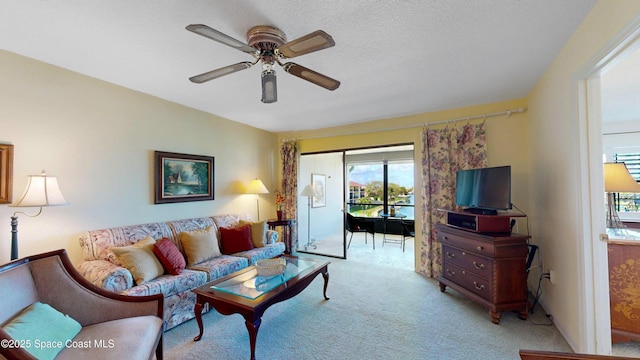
(445, 151)
(289, 156)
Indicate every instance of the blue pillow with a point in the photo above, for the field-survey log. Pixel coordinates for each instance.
(42, 330)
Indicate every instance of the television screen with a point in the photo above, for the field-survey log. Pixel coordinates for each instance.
(484, 189)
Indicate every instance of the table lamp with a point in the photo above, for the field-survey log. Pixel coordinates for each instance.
(42, 190)
(617, 179)
(257, 187)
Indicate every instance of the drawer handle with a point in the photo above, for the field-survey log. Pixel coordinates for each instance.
(479, 267)
(480, 248)
(479, 287)
(451, 273)
(451, 255)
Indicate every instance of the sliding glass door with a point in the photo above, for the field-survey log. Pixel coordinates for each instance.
(320, 204)
(375, 184)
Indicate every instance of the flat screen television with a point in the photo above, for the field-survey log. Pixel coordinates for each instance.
(485, 190)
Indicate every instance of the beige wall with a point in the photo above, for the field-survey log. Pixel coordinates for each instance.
(555, 210)
(507, 142)
(99, 139)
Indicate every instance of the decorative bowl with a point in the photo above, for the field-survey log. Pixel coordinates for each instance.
(271, 267)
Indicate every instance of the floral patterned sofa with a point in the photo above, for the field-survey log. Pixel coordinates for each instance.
(103, 268)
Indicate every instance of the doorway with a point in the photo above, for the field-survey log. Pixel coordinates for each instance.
(594, 104)
(365, 183)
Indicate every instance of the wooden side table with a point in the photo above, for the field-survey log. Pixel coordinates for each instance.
(287, 232)
(624, 270)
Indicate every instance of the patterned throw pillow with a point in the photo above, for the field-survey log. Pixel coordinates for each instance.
(169, 255)
(258, 232)
(140, 260)
(200, 245)
(236, 239)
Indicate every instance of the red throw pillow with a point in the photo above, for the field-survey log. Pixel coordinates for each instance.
(236, 239)
(170, 257)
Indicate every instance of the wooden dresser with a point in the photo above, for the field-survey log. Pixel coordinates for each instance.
(624, 285)
(490, 270)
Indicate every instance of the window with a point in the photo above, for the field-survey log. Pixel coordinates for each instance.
(629, 202)
(380, 179)
(632, 161)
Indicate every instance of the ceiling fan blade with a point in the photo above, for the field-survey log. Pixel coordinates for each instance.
(213, 74)
(311, 76)
(315, 41)
(216, 35)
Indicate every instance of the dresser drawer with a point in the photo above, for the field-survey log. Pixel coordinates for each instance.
(478, 246)
(476, 264)
(468, 280)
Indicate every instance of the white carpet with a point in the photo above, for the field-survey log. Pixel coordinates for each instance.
(375, 312)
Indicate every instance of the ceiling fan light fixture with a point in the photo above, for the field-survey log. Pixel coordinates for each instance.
(269, 46)
(269, 89)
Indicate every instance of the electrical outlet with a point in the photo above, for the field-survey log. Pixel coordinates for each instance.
(552, 276)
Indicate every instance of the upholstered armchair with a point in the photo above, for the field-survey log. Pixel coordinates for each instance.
(83, 321)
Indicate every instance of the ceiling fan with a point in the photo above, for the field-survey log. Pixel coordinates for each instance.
(269, 46)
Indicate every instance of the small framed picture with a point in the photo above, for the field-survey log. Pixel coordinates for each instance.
(318, 182)
(183, 177)
(6, 173)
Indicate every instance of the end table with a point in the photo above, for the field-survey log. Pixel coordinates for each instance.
(287, 231)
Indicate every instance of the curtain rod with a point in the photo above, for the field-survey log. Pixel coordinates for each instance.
(507, 112)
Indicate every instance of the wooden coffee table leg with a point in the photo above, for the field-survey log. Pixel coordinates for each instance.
(325, 275)
(253, 327)
(198, 311)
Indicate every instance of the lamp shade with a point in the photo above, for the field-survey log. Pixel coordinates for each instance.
(618, 179)
(42, 190)
(257, 187)
(308, 191)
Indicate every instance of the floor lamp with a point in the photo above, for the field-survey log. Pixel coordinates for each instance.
(309, 192)
(617, 179)
(42, 190)
(257, 187)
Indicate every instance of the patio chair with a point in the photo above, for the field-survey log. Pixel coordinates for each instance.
(360, 225)
(408, 231)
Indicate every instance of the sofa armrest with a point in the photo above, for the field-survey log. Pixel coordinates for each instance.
(106, 275)
(272, 236)
(91, 304)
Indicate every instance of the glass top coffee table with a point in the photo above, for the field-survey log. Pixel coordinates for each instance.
(247, 294)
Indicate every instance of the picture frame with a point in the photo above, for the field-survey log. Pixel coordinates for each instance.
(183, 177)
(319, 185)
(6, 173)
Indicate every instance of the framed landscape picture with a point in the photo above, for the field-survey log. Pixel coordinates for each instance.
(6, 173)
(183, 177)
(318, 183)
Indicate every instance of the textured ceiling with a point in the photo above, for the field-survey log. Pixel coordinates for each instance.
(393, 58)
